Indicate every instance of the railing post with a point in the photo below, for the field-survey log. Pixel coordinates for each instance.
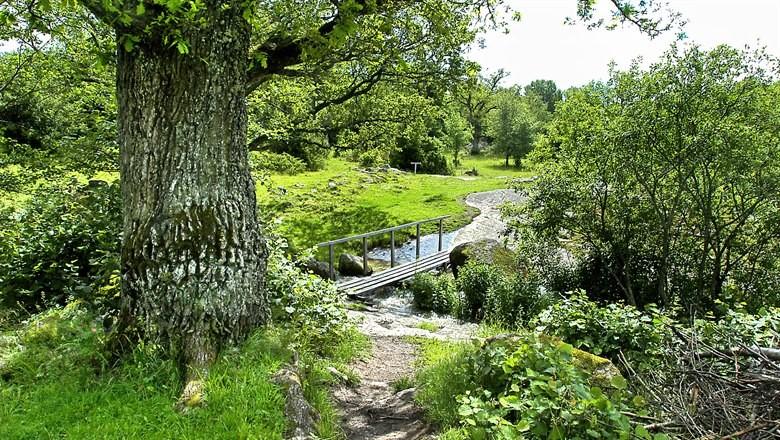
(392, 248)
(440, 234)
(365, 256)
(330, 262)
(417, 248)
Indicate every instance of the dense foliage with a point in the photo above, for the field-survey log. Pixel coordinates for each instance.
(531, 388)
(61, 246)
(434, 293)
(666, 182)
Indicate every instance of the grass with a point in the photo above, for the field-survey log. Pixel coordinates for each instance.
(429, 326)
(59, 387)
(402, 383)
(441, 376)
(340, 200)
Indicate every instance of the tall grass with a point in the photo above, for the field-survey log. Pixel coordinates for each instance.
(55, 383)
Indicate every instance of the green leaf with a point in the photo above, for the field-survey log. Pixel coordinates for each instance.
(618, 382)
(182, 47)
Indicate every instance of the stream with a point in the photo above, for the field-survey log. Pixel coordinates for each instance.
(487, 225)
(390, 312)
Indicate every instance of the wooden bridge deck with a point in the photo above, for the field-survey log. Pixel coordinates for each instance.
(360, 285)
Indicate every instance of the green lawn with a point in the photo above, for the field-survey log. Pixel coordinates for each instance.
(341, 200)
(59, 386)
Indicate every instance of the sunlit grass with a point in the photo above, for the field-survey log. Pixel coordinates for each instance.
(58, 386)
(309, 210)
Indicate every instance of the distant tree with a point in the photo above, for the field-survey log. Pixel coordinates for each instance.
(476, 96)
(457, 134)
(515, 124)
(547, 91)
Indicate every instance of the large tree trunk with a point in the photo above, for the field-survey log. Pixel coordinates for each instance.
(193, 257)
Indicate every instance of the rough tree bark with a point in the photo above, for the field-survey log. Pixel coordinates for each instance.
(193, 257)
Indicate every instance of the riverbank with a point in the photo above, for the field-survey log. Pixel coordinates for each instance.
(343, 200)
(382, 405)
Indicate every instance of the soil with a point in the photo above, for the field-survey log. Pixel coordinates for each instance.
(373, 410)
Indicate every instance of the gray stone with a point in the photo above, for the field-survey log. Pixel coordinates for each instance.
(352, 266)
(319, 268)
(486, 251)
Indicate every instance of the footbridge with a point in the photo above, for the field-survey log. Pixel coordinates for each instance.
(396, 272)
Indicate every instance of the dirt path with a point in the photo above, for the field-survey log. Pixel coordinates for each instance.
(373, 410)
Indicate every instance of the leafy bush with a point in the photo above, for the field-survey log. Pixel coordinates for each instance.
(737, 326)
(434, 292)
(429, 151)
(307, 303)
(62, 245)
(514, 300)
(531, 389)
(605, 330)
(372, 158)
(281, 163)
(475, 280)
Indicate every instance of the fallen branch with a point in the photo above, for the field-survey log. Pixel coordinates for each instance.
(754, 352)
(298, 410)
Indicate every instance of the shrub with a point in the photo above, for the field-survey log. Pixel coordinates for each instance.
(531, 389)
(308, 304)
(475, 280)
(434, 292)
(737, 326)
(512, 301)
(429, 151)
(372, 158)
(281, 163)
(63, 245)
(605, 330)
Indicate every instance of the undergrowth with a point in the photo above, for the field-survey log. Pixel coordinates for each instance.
(56, 383)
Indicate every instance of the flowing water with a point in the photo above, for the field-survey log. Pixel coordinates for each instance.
(407, 252)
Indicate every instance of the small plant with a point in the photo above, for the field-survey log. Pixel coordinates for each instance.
(475, 280)
(429, 326)
(434, 293)
(402, 383)
(304, 302)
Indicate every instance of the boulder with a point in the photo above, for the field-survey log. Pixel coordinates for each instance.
(352, 266)
(319, 268)
(601, 371)
(484, 251)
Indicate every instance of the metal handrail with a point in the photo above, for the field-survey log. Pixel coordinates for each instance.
(331, 244)
(381, 231)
